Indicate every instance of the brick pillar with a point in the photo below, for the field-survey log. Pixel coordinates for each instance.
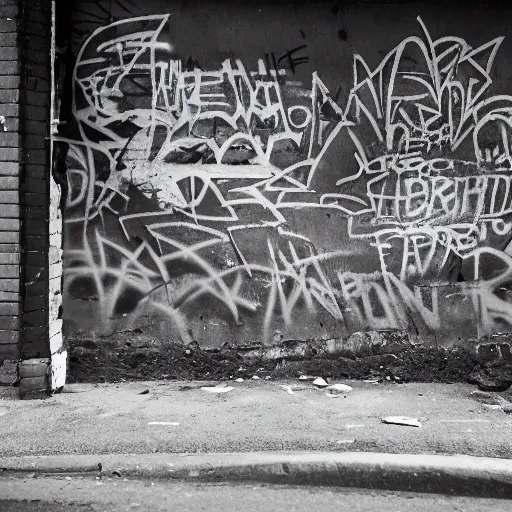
(42, 365)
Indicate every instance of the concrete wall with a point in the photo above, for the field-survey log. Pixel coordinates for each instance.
(239, 174)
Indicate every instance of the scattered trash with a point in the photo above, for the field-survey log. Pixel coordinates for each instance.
(255, 377)
(307, 377)
(68, 478)
(217, 389)
(239, 380)
(320, 383)
(388, 378)
(288, 389)
(116, 473)
(485, 398)
(268, 377)
(145, 392)
(503, 404)
(371, 381)
(507, 408)
(402, 420)
(332, 395)
(164, 423)
(346, 441)
(480, 394)
(342, 388)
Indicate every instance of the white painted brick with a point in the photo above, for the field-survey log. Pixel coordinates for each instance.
(56, 343)
(55, 328)
(58, 370)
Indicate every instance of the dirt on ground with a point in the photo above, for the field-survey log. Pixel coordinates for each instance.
(133, 356)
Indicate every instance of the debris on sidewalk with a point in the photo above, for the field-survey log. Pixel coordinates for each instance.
(332, 395)
(288, 389)
(502, 403)
(342, 388)
(346, 441)
(494, 407)
(401, 420)
(320, 383)
(371, 381)
(255, 377)
(145, 392)
(239, 379)
(221, 388)
(307, 377)
(485, 397)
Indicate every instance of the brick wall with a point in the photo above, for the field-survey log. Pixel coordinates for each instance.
(10, 298)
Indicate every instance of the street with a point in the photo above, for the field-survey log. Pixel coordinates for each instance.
(90, 495)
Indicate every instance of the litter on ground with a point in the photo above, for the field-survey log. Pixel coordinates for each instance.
(288, 389)
(402, 420)
(217, 389)
(320, 383)
(342, 388)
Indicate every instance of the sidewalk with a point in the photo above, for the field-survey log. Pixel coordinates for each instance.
(179, 417)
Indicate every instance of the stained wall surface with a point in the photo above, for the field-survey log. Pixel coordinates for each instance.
(238, 174)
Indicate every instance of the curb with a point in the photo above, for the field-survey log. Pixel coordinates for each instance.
(461, 475)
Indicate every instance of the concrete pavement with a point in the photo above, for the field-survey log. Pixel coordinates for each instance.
(254, 416)
(178, 430)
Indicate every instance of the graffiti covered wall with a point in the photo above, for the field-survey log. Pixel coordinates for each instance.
(245, 201)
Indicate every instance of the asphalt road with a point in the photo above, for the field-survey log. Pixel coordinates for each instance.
(87, 495)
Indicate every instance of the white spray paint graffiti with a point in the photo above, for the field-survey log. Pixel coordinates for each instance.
(187, 184)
